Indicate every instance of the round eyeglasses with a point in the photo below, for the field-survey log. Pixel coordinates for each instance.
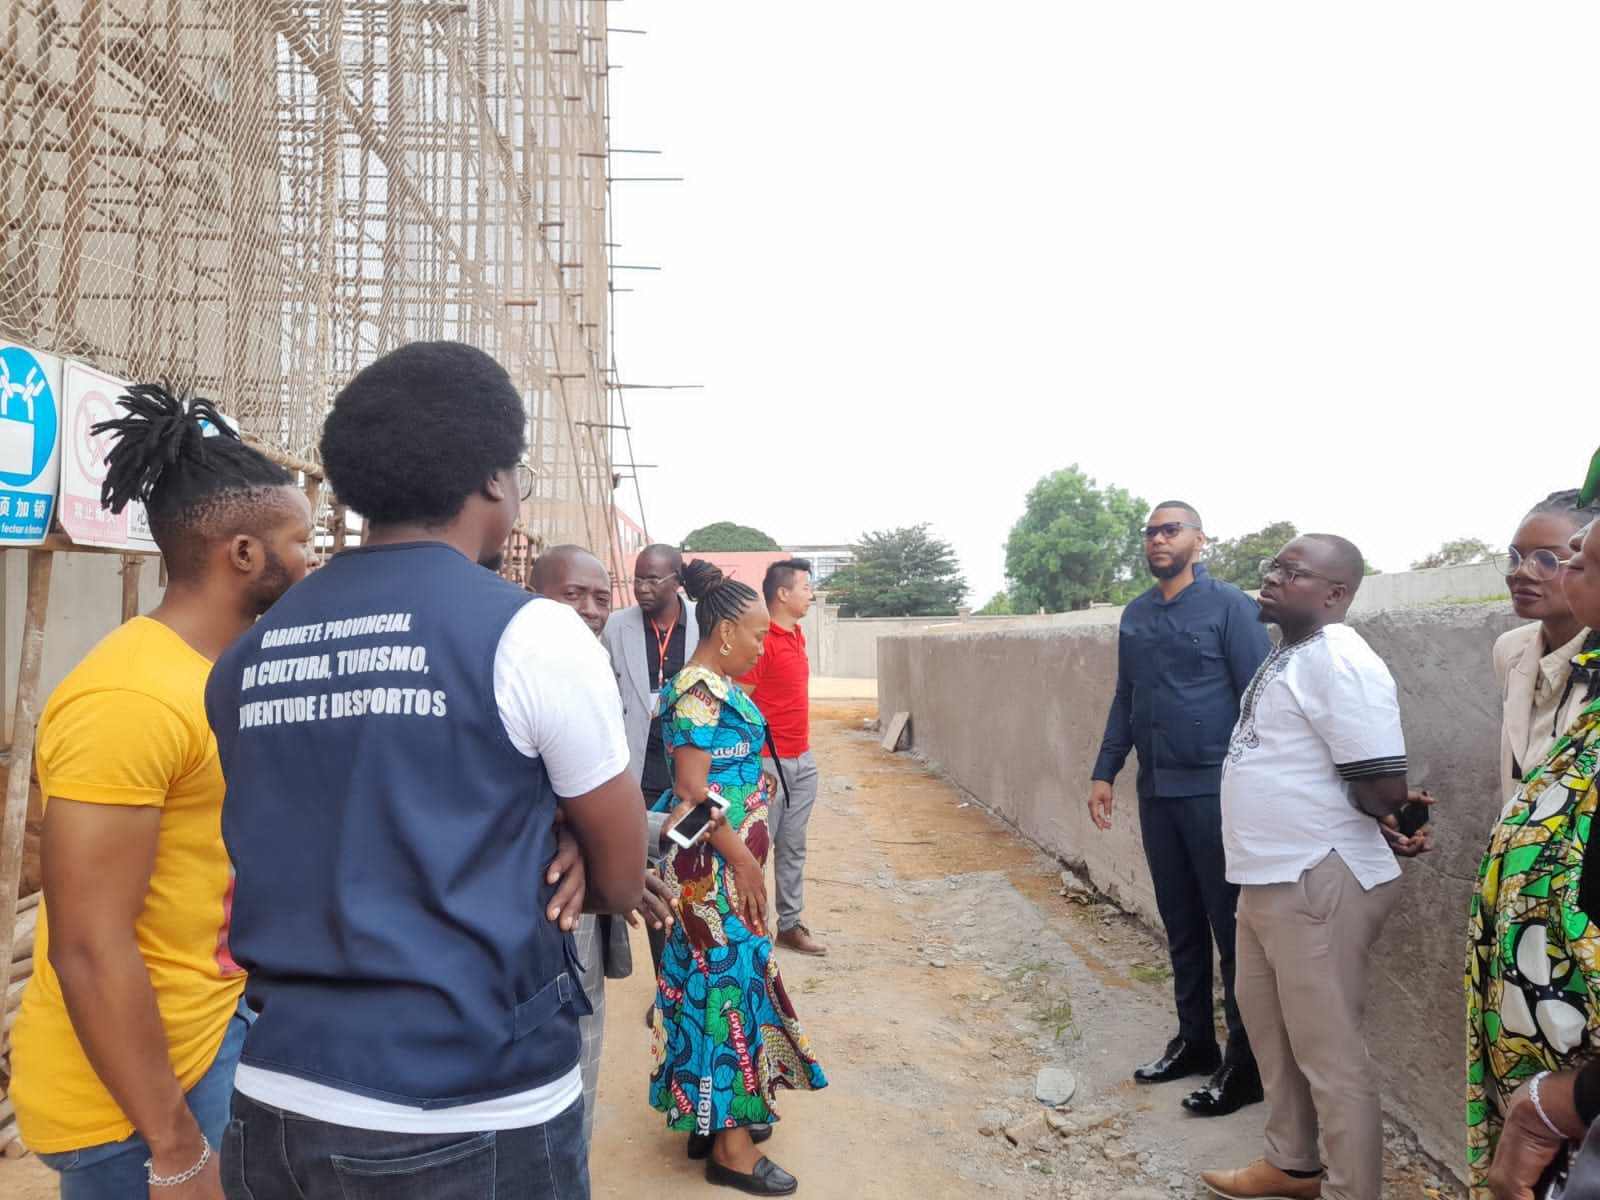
(1289, 572)
(1538, 564)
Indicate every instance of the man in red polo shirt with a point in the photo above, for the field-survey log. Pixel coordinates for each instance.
(781, 687)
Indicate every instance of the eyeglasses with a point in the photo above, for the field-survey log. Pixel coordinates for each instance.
(652, 581)
(525, 481)
(1271, 566)
(1540, 564)
(1169, 531)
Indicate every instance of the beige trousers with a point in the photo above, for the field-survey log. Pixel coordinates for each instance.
(1301, 978)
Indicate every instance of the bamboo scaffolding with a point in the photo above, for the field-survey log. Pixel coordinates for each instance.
(254, 198)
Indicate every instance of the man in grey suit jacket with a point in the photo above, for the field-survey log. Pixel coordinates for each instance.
(648, 646)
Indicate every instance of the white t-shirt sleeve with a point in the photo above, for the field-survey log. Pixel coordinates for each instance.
(1355, 710)
(558, 697)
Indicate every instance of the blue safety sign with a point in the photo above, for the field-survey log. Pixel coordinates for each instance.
(30, 443)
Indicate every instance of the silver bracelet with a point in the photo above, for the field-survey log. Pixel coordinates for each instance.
(154, 1180)
(1533, 1094)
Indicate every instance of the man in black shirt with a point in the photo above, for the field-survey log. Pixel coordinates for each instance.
(648, 646)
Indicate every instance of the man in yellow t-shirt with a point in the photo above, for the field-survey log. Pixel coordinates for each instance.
(124, 1048)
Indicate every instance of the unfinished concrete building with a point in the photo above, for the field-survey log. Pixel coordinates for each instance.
(256, 197)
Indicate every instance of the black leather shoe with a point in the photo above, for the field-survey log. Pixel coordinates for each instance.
(768, 1179)
(700, 1143)
(1182, 1058)
(1230, 1089)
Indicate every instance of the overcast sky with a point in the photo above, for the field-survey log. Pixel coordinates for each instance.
(1333, 264)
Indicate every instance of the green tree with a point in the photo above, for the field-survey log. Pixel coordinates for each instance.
(999, 606)
(1075, 544)
(898, 573)
(1238, 560)
(726, 537)
(1456, 553)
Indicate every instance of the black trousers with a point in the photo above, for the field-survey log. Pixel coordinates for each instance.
(1183, 845)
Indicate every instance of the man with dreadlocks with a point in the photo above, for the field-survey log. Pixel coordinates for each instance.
(124, 1051)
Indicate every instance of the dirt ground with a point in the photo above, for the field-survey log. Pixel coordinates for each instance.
(957, 970)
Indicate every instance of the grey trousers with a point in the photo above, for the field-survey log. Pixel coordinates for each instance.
(1300, 973)
(787, 827)
(592, 1027)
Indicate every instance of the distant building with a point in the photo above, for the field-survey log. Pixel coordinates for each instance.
(825, 560)
(747, 566)
(628, 537)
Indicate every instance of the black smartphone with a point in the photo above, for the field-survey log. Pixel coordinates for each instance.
(695, 820)
(1412, 816)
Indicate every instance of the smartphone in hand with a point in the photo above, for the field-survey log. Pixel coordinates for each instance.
(1412, 816)
(695, 820)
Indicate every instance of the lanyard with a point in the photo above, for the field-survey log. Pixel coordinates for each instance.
(663, 640)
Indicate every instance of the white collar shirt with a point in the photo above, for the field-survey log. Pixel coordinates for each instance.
(1318, 715)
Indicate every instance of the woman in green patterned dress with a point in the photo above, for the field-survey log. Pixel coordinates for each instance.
(1533, 955)
(728, 1037)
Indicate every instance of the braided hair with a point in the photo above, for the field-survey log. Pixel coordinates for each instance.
(717, 598)
(195, 485)
(1565, 503)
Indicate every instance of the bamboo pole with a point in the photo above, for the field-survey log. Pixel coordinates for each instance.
(289, 462)
(23, 933)
(339, 526)
(81, 147)
(132, 564)
(21, 772)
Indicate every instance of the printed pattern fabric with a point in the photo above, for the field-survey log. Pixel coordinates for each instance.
(728, 1037)
(1533, 954)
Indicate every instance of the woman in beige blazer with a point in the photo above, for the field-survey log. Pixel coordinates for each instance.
(1540, 697)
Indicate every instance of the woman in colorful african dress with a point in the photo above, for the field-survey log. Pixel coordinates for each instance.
(1533, 954)
(727, 1038)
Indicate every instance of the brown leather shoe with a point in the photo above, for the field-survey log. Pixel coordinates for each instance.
(1261, 1181)
(798, 938)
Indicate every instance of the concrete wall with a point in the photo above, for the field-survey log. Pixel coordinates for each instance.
(1015, 717)
(847, 647)
(1440, 585)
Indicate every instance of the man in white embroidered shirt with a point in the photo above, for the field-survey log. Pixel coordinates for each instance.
(1314, 777)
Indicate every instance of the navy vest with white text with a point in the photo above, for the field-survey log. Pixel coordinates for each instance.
(389, 841)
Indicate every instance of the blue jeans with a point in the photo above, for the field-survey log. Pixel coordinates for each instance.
(115, 1170)
(269, 1154)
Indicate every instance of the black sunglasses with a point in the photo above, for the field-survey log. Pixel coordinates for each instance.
(1169, 530)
